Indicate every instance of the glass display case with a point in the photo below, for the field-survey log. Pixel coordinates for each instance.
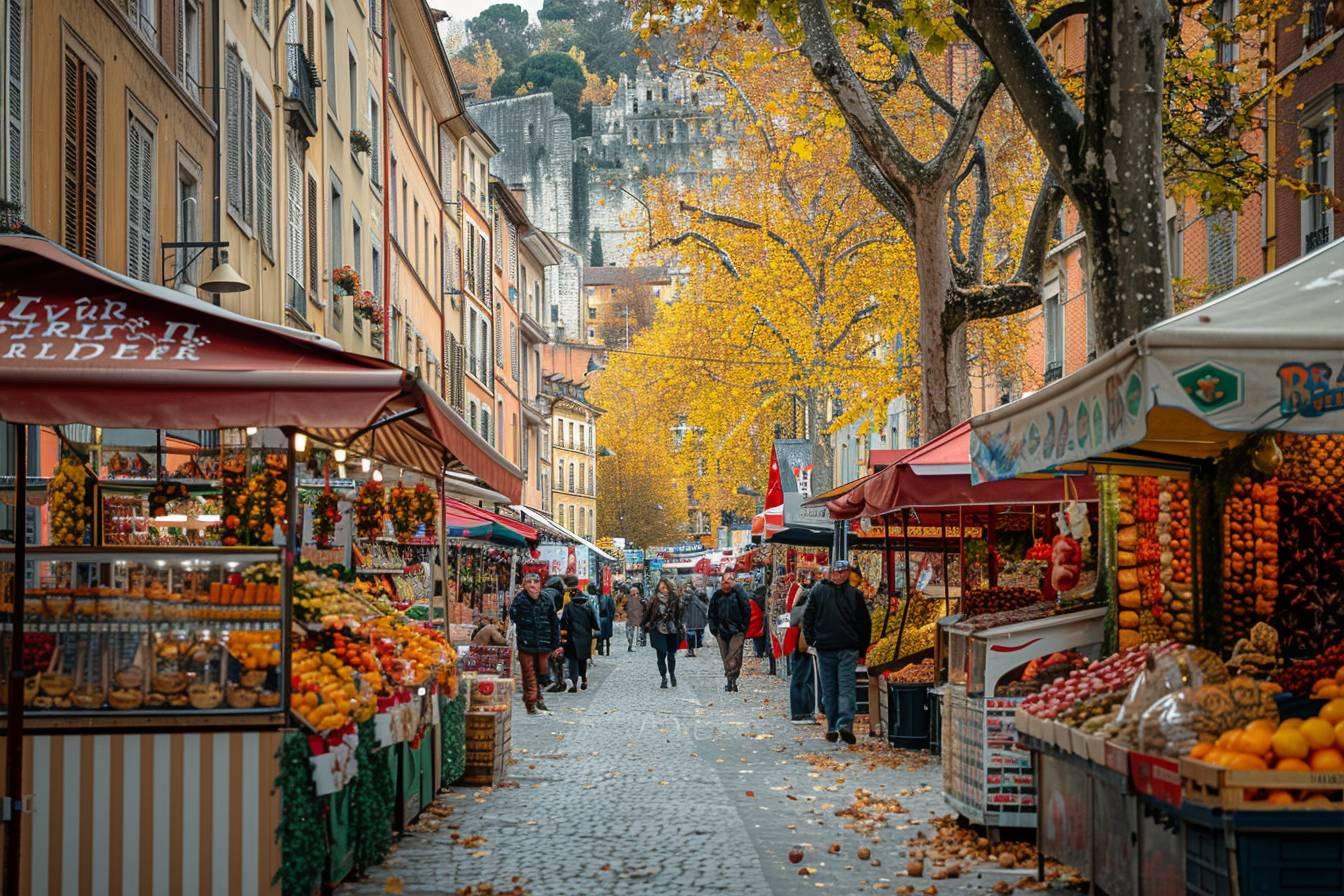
(149, 631)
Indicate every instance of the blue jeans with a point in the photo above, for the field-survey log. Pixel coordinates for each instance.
(838, 688)
(802, 686)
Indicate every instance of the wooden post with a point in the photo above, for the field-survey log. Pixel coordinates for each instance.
(947, 572)
(961, 556)
(909, 590)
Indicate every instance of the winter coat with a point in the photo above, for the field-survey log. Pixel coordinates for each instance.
(555, 590)
(663, 615)
(729, 613)
(606, 611)
(756, 627)
(697, 611)
(797, 608)
(837, 618)
(578, 624)
(634, 610)
(538, 627)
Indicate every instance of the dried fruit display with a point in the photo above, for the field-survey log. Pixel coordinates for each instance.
(997, 600)
(1177, 613)
(1311, 561)
(916, 673)
(1313, 460)
(1300, 676)
(1250, 555)
(1257, 655)
(1128, 580)
(1109, 675)
(67, 494)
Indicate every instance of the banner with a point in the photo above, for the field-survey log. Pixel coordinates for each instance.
(792, 460)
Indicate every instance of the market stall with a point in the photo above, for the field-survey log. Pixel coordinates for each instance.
(953, 646)
(1214, 724)
(152, 687)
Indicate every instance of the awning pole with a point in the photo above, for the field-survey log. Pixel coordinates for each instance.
(947, 573)
(961, 559)
(990, 554)
(442, 563)
(292, 536)
(909, 592)
(14, 723)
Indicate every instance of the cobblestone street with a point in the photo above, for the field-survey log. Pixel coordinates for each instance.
(629, 788)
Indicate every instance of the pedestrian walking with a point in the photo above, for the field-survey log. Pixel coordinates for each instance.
(802, 661)
(696, 617)
(538, 635)
(837, 624)
(729, 616)
(554, 592)
(578, 622)
(663, 622)
(606, 618)
(634, 617)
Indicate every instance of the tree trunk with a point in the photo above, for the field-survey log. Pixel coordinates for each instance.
(944, 375)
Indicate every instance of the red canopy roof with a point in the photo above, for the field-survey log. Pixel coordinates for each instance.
(82, 344)
(937, 474)
(465, 520)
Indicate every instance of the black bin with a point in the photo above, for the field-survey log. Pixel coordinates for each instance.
(935, 723)
(908, 715)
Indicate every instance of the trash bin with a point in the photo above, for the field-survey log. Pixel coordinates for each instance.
(908, 716)
(935, 722)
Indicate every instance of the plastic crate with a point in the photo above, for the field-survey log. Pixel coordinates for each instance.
(908, 717)
(1276, 853)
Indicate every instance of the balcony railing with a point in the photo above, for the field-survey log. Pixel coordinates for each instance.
(1318, 237)
(1316, 20)
(1054, 371)
(296, 297)
(301, 90)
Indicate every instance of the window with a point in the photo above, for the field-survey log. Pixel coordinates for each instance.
(470, 282)
(261, 14)
(144, 15)
(471, 342)
(1220, 233)
(188, 207)
(401, 234)
(569, 440)
(375, 124)
(471, 414)
(139, 200)
(189, 43)
(296, 254)
(415, 232)
(485, 425)
(513, 260)
(15, 93)
(513, 350)
(310, 220)
(392, 218)
(571, 476)
(335, 224)
(483, 267)
(79, 176)
(265, 182)
(582, 478)
(1175, 245)
(499, 336)
(352, 71)
(239, 116)
(1317, 217)
(1317, 19)
(499, 243)
(1054, 331)
(499, 422)
(329, 48)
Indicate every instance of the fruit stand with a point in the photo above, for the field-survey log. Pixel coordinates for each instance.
(1215, 723)
(153, 694)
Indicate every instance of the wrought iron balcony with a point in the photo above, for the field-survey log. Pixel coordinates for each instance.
(1054, 371)
(1318, 237)
(301, 91)
(1316, 20)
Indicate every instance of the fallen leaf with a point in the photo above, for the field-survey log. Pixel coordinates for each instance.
(394, 885)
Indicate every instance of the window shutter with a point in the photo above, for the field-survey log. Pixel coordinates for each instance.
(14, 92)
(89, 200)
(180, 56)
(483, 270)
(310, 214)
(139, 202)
(459, 376)
(445, 166)
(375, 153)
(499, 334)
(79, 184)
(233, 122)
(247, 136)
(294, 189)
(513, 350)
(71, 162)
(265, 183)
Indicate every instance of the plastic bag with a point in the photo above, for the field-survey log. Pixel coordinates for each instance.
(1175, 723)
(1166, 670)
(1168, 726)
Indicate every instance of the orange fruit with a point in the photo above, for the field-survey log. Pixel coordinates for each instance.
(1247, 762)
(1256, 742)
(1290, 723)
(1339, 674)
(1291, 765)
(1288, 743)
(1199, 751)
(1317, 799)
(1329, 691)
(1228, 738)
(1318, 732)
(1279, 798)
(1327, 760)
(1264, 725)
(1333, 711)
(1339, 735)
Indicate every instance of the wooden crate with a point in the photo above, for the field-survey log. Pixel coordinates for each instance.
(1226, 788)
(489, 743)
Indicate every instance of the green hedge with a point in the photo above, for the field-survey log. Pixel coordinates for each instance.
(453, 721)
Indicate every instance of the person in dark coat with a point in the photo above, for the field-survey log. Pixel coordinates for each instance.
(729, 616)
(538, 635)
(837, 624)
(555, 593)
(663, 622)
(578, 623)
(696, 618)
(634, 617)
(606, 617)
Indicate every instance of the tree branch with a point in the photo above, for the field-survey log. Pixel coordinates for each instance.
(862, 314)
(699, 238)
(745, 224)
(864, 243)
(783, 340)
(964, 126)
(896, 202)
(928, 89)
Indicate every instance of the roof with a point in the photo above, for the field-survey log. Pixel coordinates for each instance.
(619, 275)
(463, 520)
(545, 522)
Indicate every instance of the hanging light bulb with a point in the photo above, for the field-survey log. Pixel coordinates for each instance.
(300, 442)
(365, 464)
(339, 454)
(378, 475)
(251, 430)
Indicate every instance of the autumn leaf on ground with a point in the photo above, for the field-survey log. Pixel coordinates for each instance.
(393, 885)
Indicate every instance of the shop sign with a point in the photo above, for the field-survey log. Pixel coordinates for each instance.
(867, 530)
(1307, 390)
(633, 557)
(44, 329)
(793, 457)
(1212, 387)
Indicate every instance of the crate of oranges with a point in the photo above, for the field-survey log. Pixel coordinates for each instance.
(1292, 764)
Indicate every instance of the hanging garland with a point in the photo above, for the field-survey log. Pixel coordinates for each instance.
(424, 504)
(302, 833)
(371, 812)
(370, 508)
(400, 507)
(453, 718)
(326, 515)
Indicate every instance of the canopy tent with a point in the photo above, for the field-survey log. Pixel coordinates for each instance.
(1265, 356)
(937, 474)
(463, 520)
(82, 344)
(546, 522)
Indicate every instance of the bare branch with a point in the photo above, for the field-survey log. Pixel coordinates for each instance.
(862, 314)
(928, 89)
(699, 238)
(783, 340)
(745, 224)
(864, 243)
(962, 133)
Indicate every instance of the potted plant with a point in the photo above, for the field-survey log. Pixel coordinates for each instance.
(360, 144)
(346, 279)
(367, 307)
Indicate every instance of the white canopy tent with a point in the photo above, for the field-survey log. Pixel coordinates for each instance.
(1266, 356)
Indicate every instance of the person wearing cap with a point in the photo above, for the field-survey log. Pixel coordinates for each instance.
(836, 623)
(538, 631)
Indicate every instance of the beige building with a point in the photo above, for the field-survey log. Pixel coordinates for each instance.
(619, 301)
(538, 256)
(573, 436)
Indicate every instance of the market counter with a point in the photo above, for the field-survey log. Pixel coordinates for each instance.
(127, 813)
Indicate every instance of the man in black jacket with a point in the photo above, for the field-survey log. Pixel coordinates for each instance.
(538, 632)
(836, 623)
(729, 617)
(556, 593)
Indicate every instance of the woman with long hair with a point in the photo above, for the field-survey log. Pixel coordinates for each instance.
(664, 622)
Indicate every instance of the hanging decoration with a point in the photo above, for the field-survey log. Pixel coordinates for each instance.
(370, 509)
(326, 514)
